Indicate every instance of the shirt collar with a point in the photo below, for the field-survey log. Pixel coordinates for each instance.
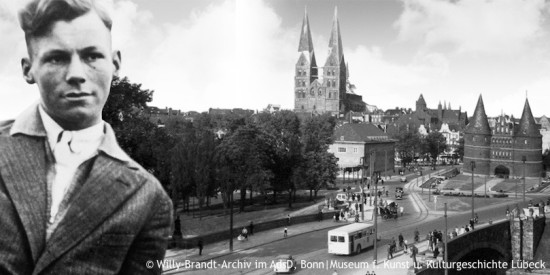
(31, 123)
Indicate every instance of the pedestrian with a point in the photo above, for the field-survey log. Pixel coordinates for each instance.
(406, 247)
(472, 221)
(400, 239)
(245, 233)
(390, 252)
(251, 228)
(200, 245)
(177, 227)
(430, 241)
(414, 251)
(286, 232)
(401, 209)
(320, 215)
(416, 235)
(288, 219)
(436, 252)
(393, 244)
(387, 193)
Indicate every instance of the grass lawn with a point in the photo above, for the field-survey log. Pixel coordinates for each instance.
(217, 218)
(462, 203)
(510, 185)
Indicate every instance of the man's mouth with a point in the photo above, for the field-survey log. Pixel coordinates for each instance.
(77, 95)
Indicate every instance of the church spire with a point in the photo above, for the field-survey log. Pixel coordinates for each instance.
(306, 43)
(335, 42)
(479, 123)
(527, 125)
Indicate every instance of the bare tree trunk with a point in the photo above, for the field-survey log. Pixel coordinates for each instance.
(243, 199)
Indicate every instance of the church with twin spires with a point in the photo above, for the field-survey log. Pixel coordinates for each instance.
(330, 92)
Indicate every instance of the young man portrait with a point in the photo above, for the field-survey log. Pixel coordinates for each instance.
(72, 201)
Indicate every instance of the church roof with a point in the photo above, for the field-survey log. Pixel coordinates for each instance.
(479, 123)
(306, 43)
(335, 42)
(527, 124)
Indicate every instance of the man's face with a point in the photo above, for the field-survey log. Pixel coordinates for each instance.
(73, 67)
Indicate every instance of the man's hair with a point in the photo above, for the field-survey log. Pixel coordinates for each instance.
(38, 16)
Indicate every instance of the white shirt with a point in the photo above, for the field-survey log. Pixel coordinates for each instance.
(83, 146)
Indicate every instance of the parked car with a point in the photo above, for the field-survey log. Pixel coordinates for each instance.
(284, 264)
(403, 179)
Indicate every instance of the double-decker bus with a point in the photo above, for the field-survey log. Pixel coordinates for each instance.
(350, 239)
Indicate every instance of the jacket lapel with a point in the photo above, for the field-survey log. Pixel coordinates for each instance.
(109, 184)
(23, 170)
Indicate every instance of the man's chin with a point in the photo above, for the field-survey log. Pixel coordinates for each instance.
(76, 119)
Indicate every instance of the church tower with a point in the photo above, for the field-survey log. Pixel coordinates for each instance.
(477, 142)
(306, 67)
(335, 71)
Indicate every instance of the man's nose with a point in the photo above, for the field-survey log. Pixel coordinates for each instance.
(75, 71)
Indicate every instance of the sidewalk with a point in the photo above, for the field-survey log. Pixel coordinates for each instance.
(216, 250)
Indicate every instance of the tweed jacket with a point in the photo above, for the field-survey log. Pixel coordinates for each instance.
(118, 220)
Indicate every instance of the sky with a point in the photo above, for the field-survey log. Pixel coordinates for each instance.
(201, 54)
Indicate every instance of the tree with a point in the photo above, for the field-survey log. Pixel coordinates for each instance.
(435, 144)
(546, 159)
(407, 147)
(318, 167)
(284, 128)
(243, 158)
(460, 149)
(137, 136)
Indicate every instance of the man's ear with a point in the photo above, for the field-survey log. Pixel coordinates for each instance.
(117, 60)
(26, 67)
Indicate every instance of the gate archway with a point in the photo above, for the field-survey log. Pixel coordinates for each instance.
(502, 171)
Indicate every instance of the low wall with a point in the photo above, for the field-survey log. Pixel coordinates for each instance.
(187, 243)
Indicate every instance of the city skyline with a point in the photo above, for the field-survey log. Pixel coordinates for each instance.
(241, 54)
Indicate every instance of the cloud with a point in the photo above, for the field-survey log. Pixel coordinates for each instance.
(497, 27)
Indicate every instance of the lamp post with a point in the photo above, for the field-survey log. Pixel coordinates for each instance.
(375, 211)
(362, 162)
(473, 165)
(446, 241)
(523, 159)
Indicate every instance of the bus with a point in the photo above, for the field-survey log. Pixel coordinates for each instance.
(350, 239)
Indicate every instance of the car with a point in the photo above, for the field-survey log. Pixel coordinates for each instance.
(399, 193)
(403, 179)
(284, 264)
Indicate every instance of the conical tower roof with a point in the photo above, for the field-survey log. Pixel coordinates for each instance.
(479, 123)
(527, 124)
(335, 42)
(306, 43)
(422, 101)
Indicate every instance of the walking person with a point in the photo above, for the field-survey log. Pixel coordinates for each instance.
(414, 251)
(288, 219)
(400, 239)
(416, 235)
(285, 232)
(390, 251)
(251, 228)
(200, 245)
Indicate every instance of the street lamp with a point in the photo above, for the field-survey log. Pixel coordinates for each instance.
(446, 241)
(523, 159)
(375, 209)
(473, 165)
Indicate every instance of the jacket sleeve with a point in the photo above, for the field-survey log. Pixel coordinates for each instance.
(149, 247)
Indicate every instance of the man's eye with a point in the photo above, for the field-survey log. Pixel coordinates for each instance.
(55, 59)
(93, 57)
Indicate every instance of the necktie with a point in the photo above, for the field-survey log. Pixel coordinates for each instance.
(62, 151)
